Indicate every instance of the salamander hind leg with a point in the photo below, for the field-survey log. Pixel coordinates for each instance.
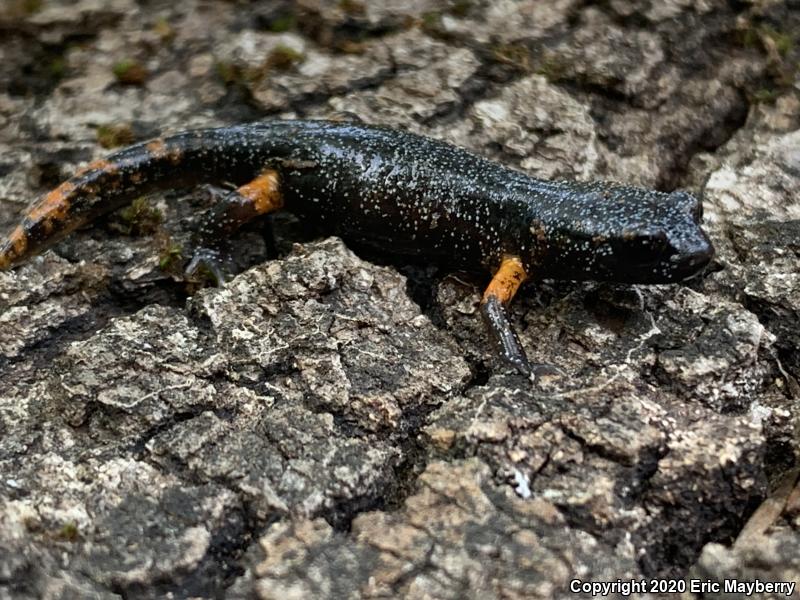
(261, 196)
(498, 294)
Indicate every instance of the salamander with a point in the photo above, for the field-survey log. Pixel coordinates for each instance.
(400, 192)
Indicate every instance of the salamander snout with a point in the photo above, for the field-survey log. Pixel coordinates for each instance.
(689, 248)
(690, 254)
(653, 255)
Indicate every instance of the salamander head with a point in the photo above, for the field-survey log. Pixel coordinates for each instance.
(626, 234)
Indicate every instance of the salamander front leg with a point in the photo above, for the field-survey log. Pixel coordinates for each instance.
(498, 294)
(501, 290)
(259, 197)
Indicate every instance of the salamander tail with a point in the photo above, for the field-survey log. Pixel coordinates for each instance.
(105, 185)
(50, 218)
(13, 249)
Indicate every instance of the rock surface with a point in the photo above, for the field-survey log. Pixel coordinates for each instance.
(331, 423)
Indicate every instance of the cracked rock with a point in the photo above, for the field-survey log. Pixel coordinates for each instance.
(335, 332)
(428, 83)
(554, 136)
(639, 450)
(44, 297)
(460, 536)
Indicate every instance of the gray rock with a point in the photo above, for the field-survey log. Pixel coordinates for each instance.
(765, 553)
(460, 536)
(324, 426)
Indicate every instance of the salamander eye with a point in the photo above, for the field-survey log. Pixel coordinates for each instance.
(655, 238)
(642, 248)
(653, 243)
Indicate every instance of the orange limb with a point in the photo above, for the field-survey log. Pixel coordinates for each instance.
(498, 294)
(506, 280)
(261, 196)
(263, 192)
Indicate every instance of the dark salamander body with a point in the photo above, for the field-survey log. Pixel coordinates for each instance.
(400, 192)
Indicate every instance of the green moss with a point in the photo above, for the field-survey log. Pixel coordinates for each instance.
(227, 72)
(460, 8)
(750, 38)
(203, 277)
(20, 8)
(139, 218)
(782, 41)
(352, 46)
(113, 136)
(32, 524)
(171, 257)
(68, 532)
(764, 96)
(283, 58)
(352, 7)
(122, 68)
(432, 20)
(57, 67)
(129, 71)
(431, 23)
(164, 30)
(283, 22)
(779, 47)
(552, 67)
(763, 37)
(514, 55)
(30, 7)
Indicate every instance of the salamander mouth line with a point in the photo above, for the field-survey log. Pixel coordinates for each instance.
(697, 275)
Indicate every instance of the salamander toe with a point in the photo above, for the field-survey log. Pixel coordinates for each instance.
(206, 266)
